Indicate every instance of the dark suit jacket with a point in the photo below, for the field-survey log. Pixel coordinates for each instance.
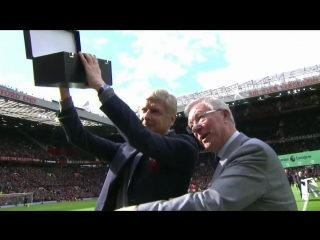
(161, 166)
(298, 180)
(290, 178)
(249, 177)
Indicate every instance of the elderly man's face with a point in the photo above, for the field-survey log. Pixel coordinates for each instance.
(210, 129)
(154, 115)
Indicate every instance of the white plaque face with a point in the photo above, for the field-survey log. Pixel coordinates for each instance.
(44, 42)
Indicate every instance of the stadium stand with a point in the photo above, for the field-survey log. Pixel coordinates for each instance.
(36, 157)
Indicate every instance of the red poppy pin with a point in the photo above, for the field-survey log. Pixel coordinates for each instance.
(153, 165)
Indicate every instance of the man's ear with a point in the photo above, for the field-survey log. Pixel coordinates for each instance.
(226, 114)
(173, 119)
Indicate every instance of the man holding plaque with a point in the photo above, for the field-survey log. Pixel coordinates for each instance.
(153, 164)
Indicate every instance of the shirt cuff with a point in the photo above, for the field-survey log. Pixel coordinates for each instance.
(106, 94)
(66, 104)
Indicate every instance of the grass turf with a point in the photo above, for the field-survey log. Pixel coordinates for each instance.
(312, 205)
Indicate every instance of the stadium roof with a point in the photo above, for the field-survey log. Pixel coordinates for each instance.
(19, 105)
(22, 106)
(269, 84)
(36, 114)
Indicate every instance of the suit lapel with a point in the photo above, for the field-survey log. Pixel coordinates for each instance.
(122, 156)
(139, 155)
(134, 165)
(234, 145)
(218, 170)
(120, 159)
(104, 191)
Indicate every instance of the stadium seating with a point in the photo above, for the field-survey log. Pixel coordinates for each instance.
(286, 123)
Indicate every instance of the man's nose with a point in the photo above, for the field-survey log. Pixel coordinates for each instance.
(147, 115)
(196, 129)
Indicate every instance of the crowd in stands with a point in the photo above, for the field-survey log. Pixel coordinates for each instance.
(303, 145)
(289, 124)
(15, 143)
(294, 101)
(279, 121)
(52, 183)
(203, 172)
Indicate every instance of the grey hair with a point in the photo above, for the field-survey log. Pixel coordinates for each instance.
(166, 97)
(210, 102)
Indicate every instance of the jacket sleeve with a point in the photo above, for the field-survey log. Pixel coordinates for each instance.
(176, 151)
(241, 183)
(81, 138)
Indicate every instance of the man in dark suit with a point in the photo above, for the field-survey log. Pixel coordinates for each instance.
(289, 177)
(248, 175)
(153, 164)
(300, 177)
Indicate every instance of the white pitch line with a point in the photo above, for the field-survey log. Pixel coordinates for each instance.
(305, 204)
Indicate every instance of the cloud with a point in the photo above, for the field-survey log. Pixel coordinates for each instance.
(171, 58)
(160, 57)
(150, 65)
(47, 93)
(99, 42)
(81, 96)
(9, 79)
(256, 54)
(134, 93)
(163, 55)
(95, 43)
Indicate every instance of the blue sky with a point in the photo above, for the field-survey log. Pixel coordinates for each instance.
(182, 62)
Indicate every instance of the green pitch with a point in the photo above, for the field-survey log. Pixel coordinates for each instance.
(64, 206)
(312, 205)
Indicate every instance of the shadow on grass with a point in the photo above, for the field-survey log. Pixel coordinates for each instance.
(314, 200)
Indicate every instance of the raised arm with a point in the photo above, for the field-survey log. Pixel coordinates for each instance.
(178, 151)
(242, 182)
(78, 136)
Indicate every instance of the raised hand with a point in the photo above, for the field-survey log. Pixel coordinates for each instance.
(93, 70)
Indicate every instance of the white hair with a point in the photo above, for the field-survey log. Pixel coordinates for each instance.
(166, 97)
(210, 102)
